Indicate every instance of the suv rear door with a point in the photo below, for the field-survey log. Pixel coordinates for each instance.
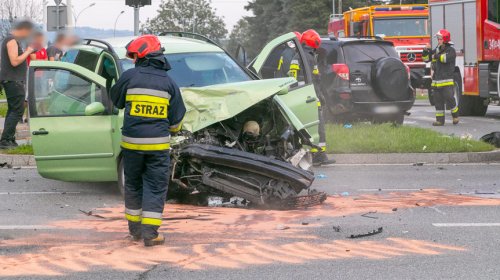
(301, 99)
(71, 123)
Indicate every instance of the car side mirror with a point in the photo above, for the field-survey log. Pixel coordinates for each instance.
(283, 91)
(95, 108)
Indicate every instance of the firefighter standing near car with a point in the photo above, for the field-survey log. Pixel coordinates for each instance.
(443, 64)
(153, 110)
(287, 56)
(311, 41)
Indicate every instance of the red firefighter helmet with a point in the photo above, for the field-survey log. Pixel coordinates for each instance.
(299, 35)
(445, 34)
(143, 45)
(311, 38)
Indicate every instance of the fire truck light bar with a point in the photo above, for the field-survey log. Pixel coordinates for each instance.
(404, 8)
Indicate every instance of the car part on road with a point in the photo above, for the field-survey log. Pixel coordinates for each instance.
(373, 232)
(367, 215)
(492, 138)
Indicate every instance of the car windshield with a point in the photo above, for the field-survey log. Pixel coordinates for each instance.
(367, 52)
(401, 27)
(201, 69)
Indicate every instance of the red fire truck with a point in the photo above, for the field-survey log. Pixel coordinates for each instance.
(475, 31)
(404, 25)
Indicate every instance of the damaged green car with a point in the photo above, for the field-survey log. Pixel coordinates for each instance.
(244, 136)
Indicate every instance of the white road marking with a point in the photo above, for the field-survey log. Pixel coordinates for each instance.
(437, 210)
(29, 227)
(387, 189)
(31, 193)
(466, 224)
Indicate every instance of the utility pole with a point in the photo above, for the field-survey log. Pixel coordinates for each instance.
(58, 21)
(333, 5)
(136, 20)
(69, 14)
(45, 3)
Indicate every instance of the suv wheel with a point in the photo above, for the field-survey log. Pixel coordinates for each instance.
(397, 118)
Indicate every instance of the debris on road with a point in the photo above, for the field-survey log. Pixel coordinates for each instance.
(321, 176)
(305, 223)
(344, 194)
(418, 164)
(394, 209)
(11, 180)
(441, 168)
(373, 232)
(5, 165)
(484, 192)
(89, 213)
(282, 227)
(366, 215)
(336, 228)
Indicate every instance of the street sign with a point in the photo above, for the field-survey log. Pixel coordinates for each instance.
(52, 22)
(137, 3)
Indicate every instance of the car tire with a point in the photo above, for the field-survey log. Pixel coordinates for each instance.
(397, 118)
(121, 177)
(390, 79)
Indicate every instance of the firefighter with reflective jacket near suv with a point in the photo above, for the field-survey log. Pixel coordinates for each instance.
(153, 110)
(443, 65)
(311, 41)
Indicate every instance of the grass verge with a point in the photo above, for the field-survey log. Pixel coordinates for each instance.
(386, 138)
(20, 150)
(3, 106)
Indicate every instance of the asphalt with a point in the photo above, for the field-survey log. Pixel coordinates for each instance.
(423, 114)
(409, 202)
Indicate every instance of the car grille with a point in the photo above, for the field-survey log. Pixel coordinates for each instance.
(411, 57)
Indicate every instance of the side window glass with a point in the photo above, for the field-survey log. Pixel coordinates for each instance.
(108, 70)
(284, 61)
(58, 92)
(494, 11)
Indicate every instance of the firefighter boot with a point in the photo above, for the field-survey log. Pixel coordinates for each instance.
(439, 121)
(159, 240)
(320, 158)
(454, 114)
(135, 229)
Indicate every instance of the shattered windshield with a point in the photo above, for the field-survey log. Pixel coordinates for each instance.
(201, 69)
(401, 27)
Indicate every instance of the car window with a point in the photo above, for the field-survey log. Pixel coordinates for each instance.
(60, 92)
(85, 59)
(367, 52)
(201, 69)
(494, 11)
(401, 27)
(280, 63)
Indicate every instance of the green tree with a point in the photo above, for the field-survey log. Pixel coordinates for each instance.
(187, 15)
(239, 36)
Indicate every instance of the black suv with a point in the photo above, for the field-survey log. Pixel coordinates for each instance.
(364, 78)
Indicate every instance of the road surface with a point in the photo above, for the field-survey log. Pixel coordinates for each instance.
(423, 114)
(439, 222)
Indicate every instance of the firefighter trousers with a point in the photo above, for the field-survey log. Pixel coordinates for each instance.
(146, 184)
(321, 118)
(444, 97)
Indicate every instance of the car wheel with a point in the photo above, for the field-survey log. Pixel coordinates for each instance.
(121, 177)
(389, 118)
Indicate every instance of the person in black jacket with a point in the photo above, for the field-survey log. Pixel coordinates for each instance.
(13, 69)
(153, 110)
(443, 65)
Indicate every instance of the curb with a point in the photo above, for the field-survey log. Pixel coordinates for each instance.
(431, 158)
(412, 158)
(17, 160)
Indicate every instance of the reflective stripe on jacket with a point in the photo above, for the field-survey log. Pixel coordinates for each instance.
(153, 106)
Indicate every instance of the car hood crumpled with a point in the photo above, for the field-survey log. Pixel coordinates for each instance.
(208, 105)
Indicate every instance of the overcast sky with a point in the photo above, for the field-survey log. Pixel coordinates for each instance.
(104, 13)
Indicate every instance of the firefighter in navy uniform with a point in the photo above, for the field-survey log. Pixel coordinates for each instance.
(153, 110)
(443, 65)
(311, 41)
(288, 55)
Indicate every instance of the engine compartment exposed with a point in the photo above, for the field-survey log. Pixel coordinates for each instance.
(256, 155)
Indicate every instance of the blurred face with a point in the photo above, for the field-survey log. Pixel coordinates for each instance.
(23, 33)
(39, 40)
(440, 40)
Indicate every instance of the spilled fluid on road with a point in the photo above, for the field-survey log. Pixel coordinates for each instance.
(209, 238)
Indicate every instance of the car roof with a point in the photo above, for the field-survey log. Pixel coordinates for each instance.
(171, 44)
(347, 40)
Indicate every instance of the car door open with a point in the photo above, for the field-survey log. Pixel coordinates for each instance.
(274, 62)
(70, 122)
